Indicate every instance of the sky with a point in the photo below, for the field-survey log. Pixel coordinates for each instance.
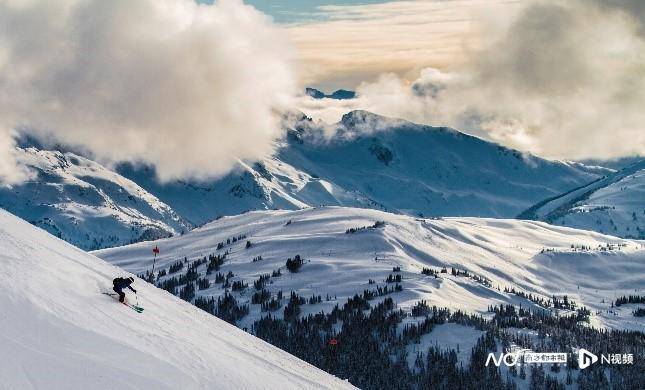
(341, 43)
(561, 79)
(192, 87)
(298, 11)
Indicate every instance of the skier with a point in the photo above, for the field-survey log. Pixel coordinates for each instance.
(120, 284)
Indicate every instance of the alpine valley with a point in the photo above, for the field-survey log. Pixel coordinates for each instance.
(385, 253)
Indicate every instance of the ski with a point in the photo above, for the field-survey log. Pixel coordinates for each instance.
(136, 308)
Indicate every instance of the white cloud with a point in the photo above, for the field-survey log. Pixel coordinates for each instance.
(562, 79)
(10, 171)
(189, 88)
(390, 95)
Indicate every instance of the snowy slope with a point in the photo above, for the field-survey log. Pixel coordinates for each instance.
(85, 203)
(248, 187)
(532, 257)
(613, 205)
(375, 162)
(58, 332)
(416, 169)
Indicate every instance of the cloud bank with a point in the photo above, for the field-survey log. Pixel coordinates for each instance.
(189, 88)
(356, 43)
(563, 80)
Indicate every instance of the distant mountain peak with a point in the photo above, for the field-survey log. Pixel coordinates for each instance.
(360, 117)
(365, 120)
(314, 93)
(341, 94)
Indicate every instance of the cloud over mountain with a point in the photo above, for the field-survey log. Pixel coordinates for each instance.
(189, 88)
(560, 79)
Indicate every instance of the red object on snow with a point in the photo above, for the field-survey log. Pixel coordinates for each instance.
(333, 342)
(155, 250)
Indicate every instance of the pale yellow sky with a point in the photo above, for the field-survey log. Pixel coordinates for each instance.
(537, 75)
(356, 43)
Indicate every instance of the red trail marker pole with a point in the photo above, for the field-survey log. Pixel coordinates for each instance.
(155, 251)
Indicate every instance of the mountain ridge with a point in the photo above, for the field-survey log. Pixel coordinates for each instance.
(291, 178)
(85, 203)
(365, 160)
(601, 205)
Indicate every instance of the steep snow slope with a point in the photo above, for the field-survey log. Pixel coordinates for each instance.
(532, 257)
(58, 332)
(375, 162)
(85, 203)
(614, 205)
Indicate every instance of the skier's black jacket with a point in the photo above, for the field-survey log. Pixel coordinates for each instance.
(121, 283)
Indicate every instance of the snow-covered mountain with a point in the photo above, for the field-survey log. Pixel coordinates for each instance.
(416, 169)
(59, 332)
(85, 203)
(532, 257)
(375, 162)
(410, 301)
(248, 187)
(614, 204)
(364, 161)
